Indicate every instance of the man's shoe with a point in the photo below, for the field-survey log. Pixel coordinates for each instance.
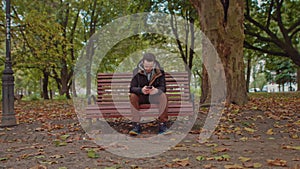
(163, 129)
(136, 130)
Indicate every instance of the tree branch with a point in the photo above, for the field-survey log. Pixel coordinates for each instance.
(259, 37)
(249, 46)
(293, 33)
(294, 26)
(174, 29)
(247, 8)
(276, 40)
(270, 14)
(280, 23)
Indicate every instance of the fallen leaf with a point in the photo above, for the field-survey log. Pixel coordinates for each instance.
(250, 130)
(64, 137)
(244, 159)
(211, 145)
(244, 138)
(294, 136)
(57, 156)
(200, 158)
(224, 157)
(291, 147)
(39, 167)
(277, 162)
(257, 165)
(135, 167)
(182, 162)
(270, 132)
(3, 159)
(220, 149)
(208, 166)
(248, 164)
(92, 154)
(234, 166)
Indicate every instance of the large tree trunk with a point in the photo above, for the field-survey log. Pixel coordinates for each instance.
(222, 23)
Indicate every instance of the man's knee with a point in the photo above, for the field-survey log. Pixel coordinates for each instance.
(163, 97)
(133, 97)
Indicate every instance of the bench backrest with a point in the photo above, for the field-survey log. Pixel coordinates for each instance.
(114, 87)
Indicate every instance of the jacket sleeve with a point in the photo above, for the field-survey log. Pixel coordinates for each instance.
(134, 86)
(162, 84)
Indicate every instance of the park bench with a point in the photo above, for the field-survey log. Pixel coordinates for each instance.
(112, 100)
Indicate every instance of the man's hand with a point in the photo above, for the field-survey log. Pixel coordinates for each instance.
(151, 91)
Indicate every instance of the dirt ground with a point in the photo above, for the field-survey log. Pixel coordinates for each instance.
(262, 134)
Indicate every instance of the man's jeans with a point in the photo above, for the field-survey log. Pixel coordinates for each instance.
(160, 99)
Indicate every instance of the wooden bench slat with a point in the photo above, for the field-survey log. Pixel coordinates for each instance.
(110, 75)
(142, 111)
(125, 105)
(122, 80)
(115, 115)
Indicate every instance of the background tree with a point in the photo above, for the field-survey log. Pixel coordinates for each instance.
(272, 27)
(222, 23)
(284, 71)
(35, 39)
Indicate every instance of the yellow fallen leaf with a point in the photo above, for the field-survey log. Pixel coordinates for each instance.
(291, 147)
(244, 159)
(270, 132)
(257, 165)
(250, 130)
(294, 136)
(277, 162)
(244, 138)
(234, 166)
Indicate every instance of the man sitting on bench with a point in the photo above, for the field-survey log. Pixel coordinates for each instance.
(148, 86)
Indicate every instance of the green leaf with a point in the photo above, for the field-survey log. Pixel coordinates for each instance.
(62, 144)
(3, 159)
(64, 137)
(58, 143)
(92, 154)
(226, 156)
(200, 158)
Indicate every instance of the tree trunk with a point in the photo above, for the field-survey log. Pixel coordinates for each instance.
(222, 23)
(205, 87)
(298, 79)
(64, 80)
(45, 85)
(248, 73)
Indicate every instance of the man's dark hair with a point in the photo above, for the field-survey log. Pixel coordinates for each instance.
(150, 57)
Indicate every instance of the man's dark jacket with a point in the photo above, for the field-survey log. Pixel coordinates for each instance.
(140, 80)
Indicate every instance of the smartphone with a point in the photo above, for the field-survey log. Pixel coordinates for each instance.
(149, 87)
